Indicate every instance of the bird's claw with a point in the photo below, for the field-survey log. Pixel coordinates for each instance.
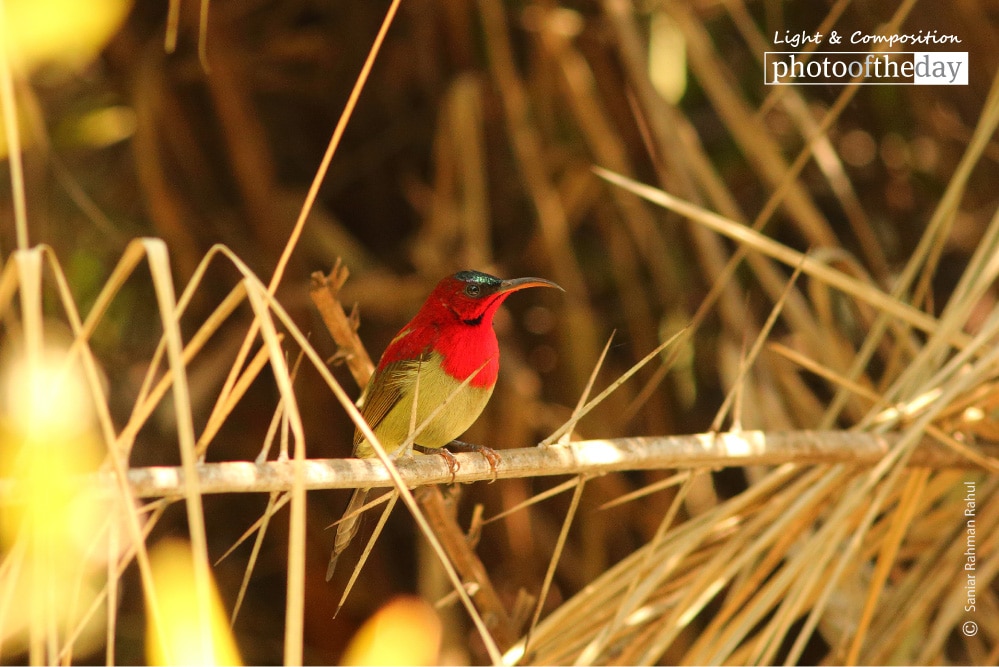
(447, 453)
(452, 463)
(488, 453)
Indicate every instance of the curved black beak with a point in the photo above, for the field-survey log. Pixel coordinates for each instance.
(515, 284)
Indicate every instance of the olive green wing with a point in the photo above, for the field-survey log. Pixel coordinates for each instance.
(387, 387)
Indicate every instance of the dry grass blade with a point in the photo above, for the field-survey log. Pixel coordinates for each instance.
(637, 590)
(900, 522)
(889, 471)
(296, 575)
(24, 274)
(12, 135)
(172, 26)
(159, 268)
(391, 497)
(760, 243)
(279, 419)
(671, 481)
(778, 528)
(375, 502)
(149, 396)
(116, 567)
(942, 216)
(822, 146)
(535, 499)
(579, 413)
(891, 414)
(570, 516)
(588, 612)
(295, 606)
(274, 503)
(762, 151)
(761, 339)
(331, 148)
(203, 36)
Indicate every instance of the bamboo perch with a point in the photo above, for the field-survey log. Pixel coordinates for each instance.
(589, 457)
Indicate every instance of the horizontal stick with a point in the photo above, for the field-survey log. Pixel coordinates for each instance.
(584, 457)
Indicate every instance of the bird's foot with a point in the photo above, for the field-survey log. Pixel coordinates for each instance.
(447, 453)
(452, 463)
(488, 453)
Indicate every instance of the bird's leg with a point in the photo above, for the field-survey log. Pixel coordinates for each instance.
(452, 463)
(488, 453)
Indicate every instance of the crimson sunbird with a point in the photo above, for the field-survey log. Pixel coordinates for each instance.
(448, 340)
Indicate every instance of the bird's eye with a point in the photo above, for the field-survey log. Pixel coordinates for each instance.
(472, 290)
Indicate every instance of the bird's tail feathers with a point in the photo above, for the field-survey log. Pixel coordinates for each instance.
(347, 528)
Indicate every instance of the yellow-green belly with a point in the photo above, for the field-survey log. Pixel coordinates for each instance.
(464, 406)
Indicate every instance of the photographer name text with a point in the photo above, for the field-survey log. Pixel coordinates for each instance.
(970, 551)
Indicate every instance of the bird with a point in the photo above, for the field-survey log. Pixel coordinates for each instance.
(447, 353)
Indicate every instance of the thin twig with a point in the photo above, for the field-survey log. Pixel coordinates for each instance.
(325, 294)
(712, 450)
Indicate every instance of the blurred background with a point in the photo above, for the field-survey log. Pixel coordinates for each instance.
(472, 147)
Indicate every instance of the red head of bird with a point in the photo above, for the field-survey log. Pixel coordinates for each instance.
(456, 321)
